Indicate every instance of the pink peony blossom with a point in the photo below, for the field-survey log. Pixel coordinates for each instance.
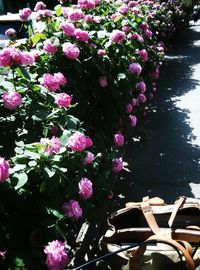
(63, 100)
(134, 101)
(11, 33)
(148, 33)
(27, 58)
(4, 170)
(125, 28)
(144, 55)
(57, 258)
(81, 35)
(133, 120)
(101, 52)
(72, 210)
(123, 9)
(86, 4)
(50, 47)
(50, 82)
(25, 14)
(88, 18)
(89, 142)
(142, 98)
(129, 108)
(61, 78)
(44, 13)
(70, 50)
(12, 100)
(51, 146)
(5, 57)
(85, 188)
(39, 6)
(117, 36)
(89, 158)
(117, 165)
(141, 86)
(103, 81)
(77, 142)
(75, 14)
(118, 140)
(144, 26)
(97, 19)
(68, 28)
(135, 68)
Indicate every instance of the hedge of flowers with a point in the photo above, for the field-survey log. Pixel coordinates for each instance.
(72, 94)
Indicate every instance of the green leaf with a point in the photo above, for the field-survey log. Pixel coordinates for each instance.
(121, 76)
(23, 72)
(50, 173)
(65, 137)
(72, 122)
(58, 10)
(37, 37)
(40, 115)
(21, 178)
(32, 163)
(18, 167)
(102, 34)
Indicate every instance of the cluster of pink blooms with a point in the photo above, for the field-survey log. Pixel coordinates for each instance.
(57, 258)
(72, 14)
(72, 210)
(12, 56)
(49, 47)
(79, 142)
(117, 36)
(25, 14)
(51, 146)
(53, 82)
(88, 4)
(63, 100)
(117, 165)
(85, 188)
(135, 68)
(12, 100)
(70, 50)
(4, 170)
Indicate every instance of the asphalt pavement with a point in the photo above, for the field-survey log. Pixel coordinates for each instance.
(166, 161)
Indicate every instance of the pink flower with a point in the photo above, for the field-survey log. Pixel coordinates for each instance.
(51, 146)
(81, 35)
(129, 108)
(61, 78)
(70, 50)
(89, 158)
(12, 100)
(88, 18)
(72, 210)
(4, 170)
(134, 101)
(125, 28)
(86, 4)
(11, 33)
(133, 120)
(144, 55)
(98, 19)
(39, 6)
(123, 9)
(142, 98)
(27, 58)
(135, 68)
(50, 82)
(44, 13)
(77, 142)
(85, 188)
(50, 47)
(117, 36)
(57, 258)
(25, 13)
(63, 100)
(68, 28)
(118, 140)
(89, 142)
(117, 165)
(141, 86)
(5, 57)
(148, 33)
(144, 26)
(75, 14)
(101, 52)
(103, 81)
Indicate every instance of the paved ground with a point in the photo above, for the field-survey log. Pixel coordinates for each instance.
(167, 161)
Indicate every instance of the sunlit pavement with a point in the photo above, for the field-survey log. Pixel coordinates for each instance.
(166, 162)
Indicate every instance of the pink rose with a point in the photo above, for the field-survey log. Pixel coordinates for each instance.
(72, 210)
(144, 55)
(125, 28)
(117, 36)
(88, 18)
(25, 13)
(123, 9)
(81, 35)
(85, 188)
(89, 142)
(141, 86)
(103, 81)
(51, 146)
(5, 57)
(4, 170)
(12, 100)
(129, 108)
(75, 14)
(27, 58)
(57, 258)
(148, 33)
(77, 142)
(63, 100)
(50, 82)
(61, 78)
(118, 140)
(86, 4)
(142, 98)
(101, 52)
(135, 68)
(117, 165)
(50, 47)
(89, 158)
(68, 28)
(134, 101)
(11, 33)
(133, 120)
(70, 50)
(39, 6)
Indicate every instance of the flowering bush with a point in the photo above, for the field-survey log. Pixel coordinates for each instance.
(72, 95)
